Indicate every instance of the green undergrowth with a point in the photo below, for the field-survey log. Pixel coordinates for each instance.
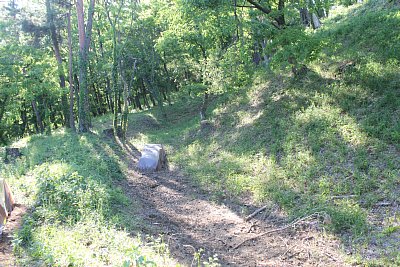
(77, 215)
(327, 141)
(324, 142)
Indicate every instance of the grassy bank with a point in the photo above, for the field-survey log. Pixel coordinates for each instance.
(327, 141)
(324, 142)
(78, 215)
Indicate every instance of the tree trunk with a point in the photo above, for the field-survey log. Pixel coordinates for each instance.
(137, 102)
(24, 118)
(56, 47)
(3, 107)
(108, 84)
(109, 95)
(115, 85)
(266, 57)
(84, 43)
(281, 15)
(39, 121)
(70, 70)
(204, 106)
(305, 16)
(124, 116)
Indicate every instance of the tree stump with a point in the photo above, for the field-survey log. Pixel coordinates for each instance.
(109, 132)
(11, 154)
(206, 126)
(153, 158)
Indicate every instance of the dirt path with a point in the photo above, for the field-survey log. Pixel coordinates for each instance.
(7, 258)
(189, 221)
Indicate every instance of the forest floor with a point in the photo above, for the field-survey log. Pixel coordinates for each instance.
(198, 230)
(7, 257)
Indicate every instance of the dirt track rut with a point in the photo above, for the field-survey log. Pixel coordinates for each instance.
(190, 222)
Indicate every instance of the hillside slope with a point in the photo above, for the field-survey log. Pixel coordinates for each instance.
(328, 141)
(324, 143)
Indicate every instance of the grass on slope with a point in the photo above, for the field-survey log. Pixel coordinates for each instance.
(77, 213)
(326, 142)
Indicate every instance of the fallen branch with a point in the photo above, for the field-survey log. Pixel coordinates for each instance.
(343, 196)
(383, 204)
(276, 230)
(255, 213)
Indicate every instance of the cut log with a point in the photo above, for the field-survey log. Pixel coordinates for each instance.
(153, 158)
(205, 125)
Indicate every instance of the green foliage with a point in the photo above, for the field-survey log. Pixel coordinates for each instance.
(306, 144)
(67, 196)
(76, 212)
(295, 47)
(302, 143)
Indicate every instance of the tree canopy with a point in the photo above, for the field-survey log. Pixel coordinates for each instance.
(124, 55)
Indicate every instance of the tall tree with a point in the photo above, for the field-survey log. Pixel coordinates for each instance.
(70, 70)
(85, 34)
(57, 53)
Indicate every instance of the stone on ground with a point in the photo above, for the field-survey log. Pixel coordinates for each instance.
(153, 158)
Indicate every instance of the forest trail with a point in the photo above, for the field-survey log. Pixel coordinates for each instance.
(170, 205)
(7, 258)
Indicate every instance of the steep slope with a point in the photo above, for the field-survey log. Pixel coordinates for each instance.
(327, 142)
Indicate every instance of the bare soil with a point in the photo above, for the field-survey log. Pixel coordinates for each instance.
(7, 258)
(171, 205)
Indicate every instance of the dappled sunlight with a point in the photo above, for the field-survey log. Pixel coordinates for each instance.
(351, 133)
(293, 161)
(140, 140)
(70, 181)
(248, 118)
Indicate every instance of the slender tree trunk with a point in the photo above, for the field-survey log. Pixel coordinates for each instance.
(2, 111)
(3, 107)
(305, 16)
(137, 102)
(124, 116)
(144, 94)
(204, 106)
(24, 118)
(56, 48)
(109, 95)
(52, 117)
(71, 82)
(115, 81)
(108, 84)
(39, 121)
(281, 16)
(84, 43)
